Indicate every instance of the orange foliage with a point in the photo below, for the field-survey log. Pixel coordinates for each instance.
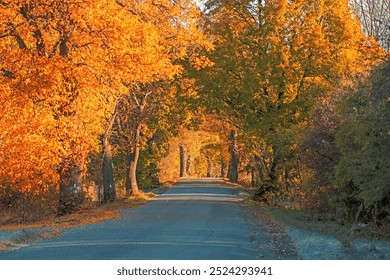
(62, 66)
(210, 141)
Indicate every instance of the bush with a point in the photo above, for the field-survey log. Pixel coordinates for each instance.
(363, 140)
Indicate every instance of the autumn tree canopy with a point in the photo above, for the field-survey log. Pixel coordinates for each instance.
(63, 66)
(272, 61)
(136, 91)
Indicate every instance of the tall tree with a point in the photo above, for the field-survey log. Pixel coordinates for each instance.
(45, 47)
(271, 60)
(68, 62)
(171, 37)
(134, 114)
(109, 190)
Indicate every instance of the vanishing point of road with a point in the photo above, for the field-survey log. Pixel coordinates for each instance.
(197, 219)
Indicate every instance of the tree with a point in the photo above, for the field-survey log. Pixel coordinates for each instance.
(363, 141)
(171, 36)
(271, 61)
(205, 148)
(68, 63)
(233, 164)
(109, 190)
(135, 111)
(44, 65)
(375, 19)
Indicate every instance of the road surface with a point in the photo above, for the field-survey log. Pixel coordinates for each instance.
(196, 219)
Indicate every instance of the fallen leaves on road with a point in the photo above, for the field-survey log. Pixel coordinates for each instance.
(270, 237)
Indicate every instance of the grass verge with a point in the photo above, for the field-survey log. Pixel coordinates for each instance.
(327, 223)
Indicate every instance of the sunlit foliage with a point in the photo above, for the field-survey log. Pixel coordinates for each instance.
(63, 66)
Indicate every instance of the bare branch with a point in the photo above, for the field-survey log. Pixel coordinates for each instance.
(20, 42)
(7, 73)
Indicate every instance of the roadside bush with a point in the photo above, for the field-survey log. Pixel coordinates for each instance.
(363, 140)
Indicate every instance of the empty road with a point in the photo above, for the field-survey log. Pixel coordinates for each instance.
(196, 219)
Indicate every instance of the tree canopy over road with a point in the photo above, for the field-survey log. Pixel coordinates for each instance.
(100, 100)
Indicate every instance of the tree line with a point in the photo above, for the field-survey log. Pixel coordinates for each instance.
(78, 75)
(290, 97)
(306, 92)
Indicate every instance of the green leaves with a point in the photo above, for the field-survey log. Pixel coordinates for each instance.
(273, 60)
(364, 140)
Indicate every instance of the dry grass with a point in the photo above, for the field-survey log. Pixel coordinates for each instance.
(267, 232)
(328, 223)
(6, 245)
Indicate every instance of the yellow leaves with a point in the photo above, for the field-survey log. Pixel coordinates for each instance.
(69, 61)
(27, 158)
(199, 62)
(211, 135)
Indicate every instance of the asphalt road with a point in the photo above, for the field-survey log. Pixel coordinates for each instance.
(197, 219)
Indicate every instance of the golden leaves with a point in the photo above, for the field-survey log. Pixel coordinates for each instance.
(64, 63)
(199, 62)
(27, 155)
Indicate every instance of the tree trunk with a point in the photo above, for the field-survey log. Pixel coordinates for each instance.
(223, 166)
(132, 186)
(253, 181)
(71, 195)
(272, 171)
(109, 192)
(260, 168)
(128, 183)
(188, 165)
(208, 166)
(183, 160)
(233, 150)
(131, 180)
(270, 184)
(155, 175)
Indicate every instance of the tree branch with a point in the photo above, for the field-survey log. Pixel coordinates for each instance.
(7, 73)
